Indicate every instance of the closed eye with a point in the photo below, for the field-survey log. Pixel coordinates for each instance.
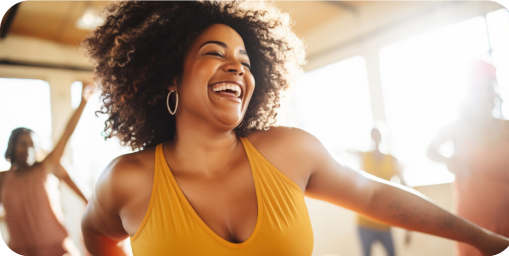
(215, 53)
(247, 65)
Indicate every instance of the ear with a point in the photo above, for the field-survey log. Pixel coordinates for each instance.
(173, 85)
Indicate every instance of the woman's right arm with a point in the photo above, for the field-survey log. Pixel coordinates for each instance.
(102, 227)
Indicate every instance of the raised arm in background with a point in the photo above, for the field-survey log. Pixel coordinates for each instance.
(52, 162)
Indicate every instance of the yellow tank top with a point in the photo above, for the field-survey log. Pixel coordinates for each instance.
(172, 227)
(384, 169)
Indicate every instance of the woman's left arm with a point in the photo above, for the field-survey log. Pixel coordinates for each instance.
(388, 202)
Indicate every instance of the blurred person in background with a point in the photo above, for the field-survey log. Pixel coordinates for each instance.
(480, 160)
(31, 202)
(384, 166)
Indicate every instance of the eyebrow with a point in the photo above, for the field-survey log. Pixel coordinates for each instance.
(241, 51)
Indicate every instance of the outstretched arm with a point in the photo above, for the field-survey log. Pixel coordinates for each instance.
(387, 202)
(52, 161)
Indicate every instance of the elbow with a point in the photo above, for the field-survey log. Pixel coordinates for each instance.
(432, 154)
(89, 236)
(85, 230)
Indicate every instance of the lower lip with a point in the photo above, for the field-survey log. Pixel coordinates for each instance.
(228, 96)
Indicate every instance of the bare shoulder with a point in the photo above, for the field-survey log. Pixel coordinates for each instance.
(125, 177)
(293, 151)
(291, 139)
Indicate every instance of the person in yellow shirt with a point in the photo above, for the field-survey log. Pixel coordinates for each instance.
(384, 166)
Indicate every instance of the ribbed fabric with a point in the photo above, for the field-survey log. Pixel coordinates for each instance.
(31, 210)
(383, 169)
(172, 227)
(482, 190)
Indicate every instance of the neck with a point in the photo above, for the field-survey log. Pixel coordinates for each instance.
(376, 149)
(199, 150)
(19, 166)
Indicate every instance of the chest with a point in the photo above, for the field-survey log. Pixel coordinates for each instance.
(259, 213)
(227, 205)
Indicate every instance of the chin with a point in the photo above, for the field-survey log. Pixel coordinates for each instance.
(230, 119)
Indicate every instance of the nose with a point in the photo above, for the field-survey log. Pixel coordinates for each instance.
(234, 66)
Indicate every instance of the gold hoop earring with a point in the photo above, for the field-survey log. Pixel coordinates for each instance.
(176, 102)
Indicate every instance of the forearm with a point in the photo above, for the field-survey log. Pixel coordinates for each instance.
(72, 123)
(408, 209)
(57, 152)
(75, 188)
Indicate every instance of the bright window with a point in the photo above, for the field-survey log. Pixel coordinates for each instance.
(24, 103)
(423, 80)
(333, 104)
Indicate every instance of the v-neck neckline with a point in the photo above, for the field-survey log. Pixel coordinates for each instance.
(202, 223)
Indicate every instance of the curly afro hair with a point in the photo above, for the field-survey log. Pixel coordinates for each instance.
(140, 49)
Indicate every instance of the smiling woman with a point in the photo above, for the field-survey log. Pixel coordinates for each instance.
(212, 176)
(140, 51)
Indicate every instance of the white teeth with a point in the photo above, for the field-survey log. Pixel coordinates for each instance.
(225, 86)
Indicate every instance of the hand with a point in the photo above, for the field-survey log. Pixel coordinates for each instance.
(88, 90)
(491, 243)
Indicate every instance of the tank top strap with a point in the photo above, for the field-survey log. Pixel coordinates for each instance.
(251, 156)
(262, 166)
(160, 161)
(159, 156)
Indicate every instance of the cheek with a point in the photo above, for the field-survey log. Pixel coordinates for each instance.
(21, 150)
(250, 82)
(201, 70)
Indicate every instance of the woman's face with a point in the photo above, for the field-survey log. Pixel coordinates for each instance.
(217, 83)
(24, 151)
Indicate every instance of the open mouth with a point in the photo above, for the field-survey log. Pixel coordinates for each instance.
(228, 88)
